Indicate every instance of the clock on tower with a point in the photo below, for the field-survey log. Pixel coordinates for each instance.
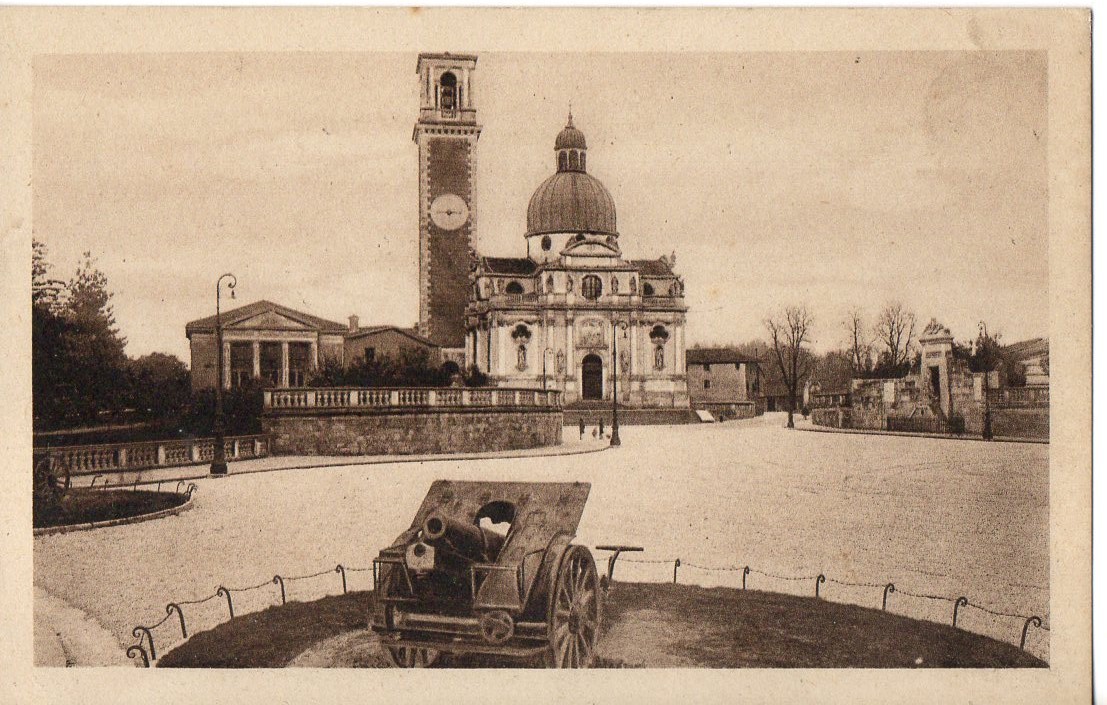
(447, 133)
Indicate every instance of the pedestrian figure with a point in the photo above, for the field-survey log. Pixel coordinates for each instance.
(594, 432)
(582, 428)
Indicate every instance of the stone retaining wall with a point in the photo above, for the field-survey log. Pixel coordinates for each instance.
(407, 432)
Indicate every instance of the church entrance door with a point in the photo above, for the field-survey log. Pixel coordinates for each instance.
(591, 377)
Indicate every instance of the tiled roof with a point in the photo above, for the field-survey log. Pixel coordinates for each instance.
(409, 332)
(1027, 348)
(509, 265)
(652, 267)
(712, 356)
(250, 310)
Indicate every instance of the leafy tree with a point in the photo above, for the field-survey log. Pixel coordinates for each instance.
(158, 385)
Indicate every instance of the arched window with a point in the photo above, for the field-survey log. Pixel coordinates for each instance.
(582, 155)
(449, 91)
(562, 161)
(658, 334)
(647, 289)
(547, 243)
(521, 334)
(514, 287)
(574, 160)
(591, 287)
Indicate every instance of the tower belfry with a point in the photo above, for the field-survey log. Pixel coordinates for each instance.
(446, 133)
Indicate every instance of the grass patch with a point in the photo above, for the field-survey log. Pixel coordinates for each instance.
(83, 506)
(646, 625)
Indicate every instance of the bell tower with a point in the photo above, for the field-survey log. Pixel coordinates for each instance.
(446, 133)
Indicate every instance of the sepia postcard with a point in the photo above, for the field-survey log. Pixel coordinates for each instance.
(425, 354)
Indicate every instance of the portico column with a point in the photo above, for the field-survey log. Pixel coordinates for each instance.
(257, 358)
(314, 354)
(284, 363)
(226, 365)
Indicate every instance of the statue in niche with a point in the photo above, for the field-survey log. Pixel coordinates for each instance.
(659, 357)
(624, 361)
(561, 362)
(569, 285)
(614, 284)
(633, 285)
(521, 358)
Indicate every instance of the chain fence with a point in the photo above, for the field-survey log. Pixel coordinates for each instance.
(1015, 625)
(210, 611)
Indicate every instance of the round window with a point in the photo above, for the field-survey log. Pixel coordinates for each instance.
(547, 243)
(591, 287)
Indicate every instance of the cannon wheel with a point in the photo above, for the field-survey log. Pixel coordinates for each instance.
(409, 657)
(574, 611)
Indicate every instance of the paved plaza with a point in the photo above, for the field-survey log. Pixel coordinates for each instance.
(934, 516)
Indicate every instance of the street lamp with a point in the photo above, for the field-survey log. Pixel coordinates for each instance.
(615, 326)
(544, 351)
(218, 457)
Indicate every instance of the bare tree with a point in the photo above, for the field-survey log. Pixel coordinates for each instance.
(895, 329)
(860, 342)
(789, 332)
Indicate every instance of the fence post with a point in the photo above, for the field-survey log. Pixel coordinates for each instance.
(819, 580)
(1036, 621)
(138, 633)
(131, 650)
(887, 589)
(340, 569)
(961, 602)
(169, 609)
(227, 593)
(676, 564)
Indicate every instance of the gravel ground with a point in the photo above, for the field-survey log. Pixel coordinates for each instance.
(940, 517)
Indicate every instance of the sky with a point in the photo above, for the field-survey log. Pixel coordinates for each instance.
(832, 180)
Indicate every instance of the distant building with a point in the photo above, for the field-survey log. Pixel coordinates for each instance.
(282, 347)
(375, 342)
(723, 381)
(263, 340)
(1033, 355)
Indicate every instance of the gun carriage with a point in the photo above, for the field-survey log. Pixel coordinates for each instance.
(452, 584)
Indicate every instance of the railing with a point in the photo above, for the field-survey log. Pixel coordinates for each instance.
(1019, 397)
(409, 397)
(926, 424)
(152, 454)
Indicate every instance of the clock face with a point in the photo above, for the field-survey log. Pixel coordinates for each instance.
(449, 211)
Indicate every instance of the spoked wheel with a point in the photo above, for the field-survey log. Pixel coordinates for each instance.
(410, 657)
(574, 611)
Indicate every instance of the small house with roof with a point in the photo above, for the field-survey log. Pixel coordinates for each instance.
(723, 381)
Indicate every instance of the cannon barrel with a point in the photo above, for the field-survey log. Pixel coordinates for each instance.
(467, 540)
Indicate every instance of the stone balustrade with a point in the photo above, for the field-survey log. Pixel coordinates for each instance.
(389, 398)
(1019, 397)
(111, 457)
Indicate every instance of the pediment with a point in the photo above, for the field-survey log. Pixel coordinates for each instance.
(591, 248)
(269, 320)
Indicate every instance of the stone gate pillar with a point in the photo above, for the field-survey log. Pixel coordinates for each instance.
(937, 358)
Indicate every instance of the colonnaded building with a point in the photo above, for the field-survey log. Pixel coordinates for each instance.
(572, 314)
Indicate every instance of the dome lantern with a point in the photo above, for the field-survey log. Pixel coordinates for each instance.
(571, 147)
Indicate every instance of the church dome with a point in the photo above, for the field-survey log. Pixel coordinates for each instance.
(571, 200)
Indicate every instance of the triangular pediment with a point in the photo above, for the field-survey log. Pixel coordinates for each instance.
(269, 320)
(591, 248)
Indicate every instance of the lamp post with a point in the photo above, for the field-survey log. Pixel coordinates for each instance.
(218, 458)
(615, 327)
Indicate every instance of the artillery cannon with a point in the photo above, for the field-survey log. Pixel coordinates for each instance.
(450, 585)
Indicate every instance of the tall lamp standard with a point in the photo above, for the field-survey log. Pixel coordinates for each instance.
(615, 327)
(218, 457)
